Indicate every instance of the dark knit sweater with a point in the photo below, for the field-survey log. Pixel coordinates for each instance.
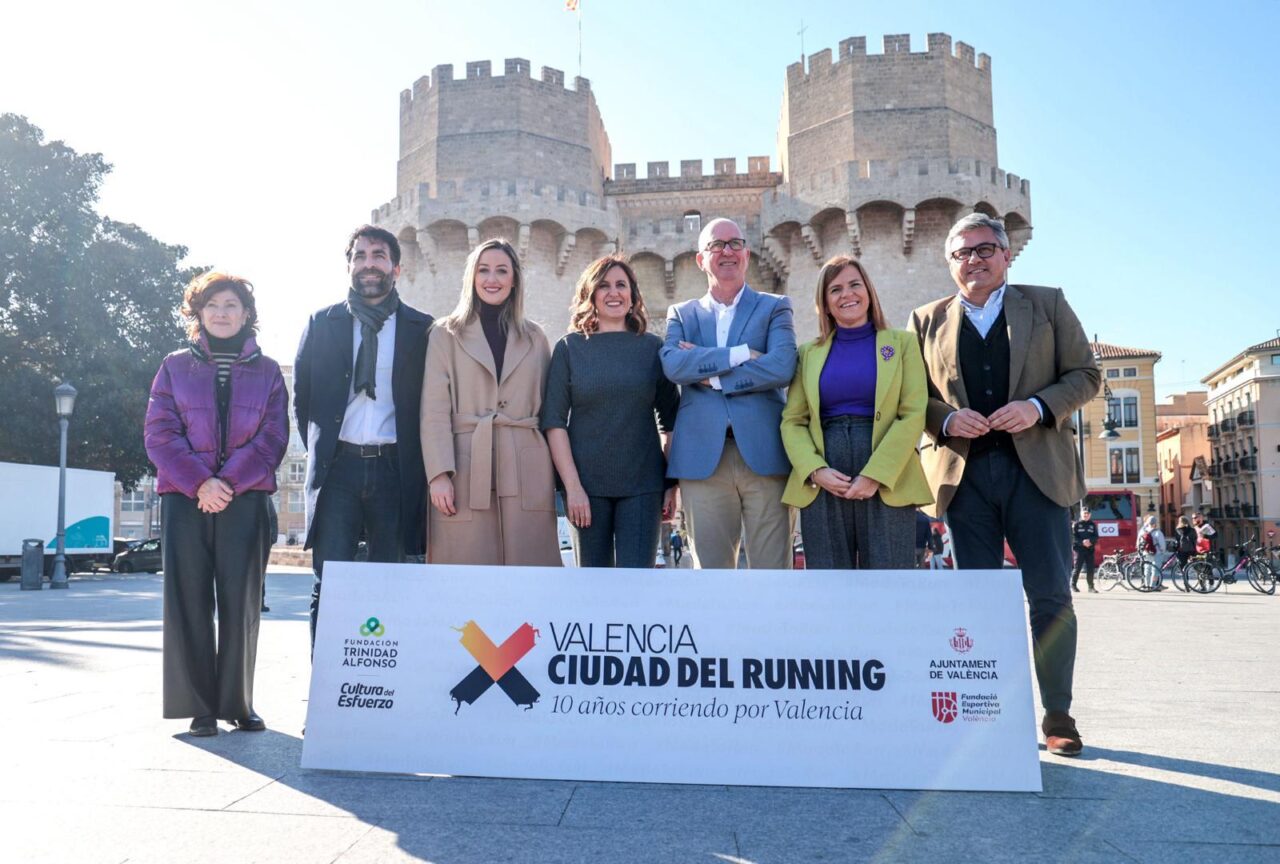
(494, 333)
(605, 391)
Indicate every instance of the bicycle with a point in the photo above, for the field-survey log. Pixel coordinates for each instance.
(1120, 569)
(1263, 571)
(1204, 576)
(1153, 577)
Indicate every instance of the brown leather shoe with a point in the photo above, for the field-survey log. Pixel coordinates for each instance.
(1060, 735)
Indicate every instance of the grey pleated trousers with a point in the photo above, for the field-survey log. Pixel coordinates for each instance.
(212, 564)
(855, 535)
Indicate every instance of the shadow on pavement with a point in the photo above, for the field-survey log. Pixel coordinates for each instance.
(1083, 814)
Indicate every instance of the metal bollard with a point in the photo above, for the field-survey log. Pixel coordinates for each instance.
(32, 565)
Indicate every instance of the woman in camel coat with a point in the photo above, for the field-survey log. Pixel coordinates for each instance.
(489, 469)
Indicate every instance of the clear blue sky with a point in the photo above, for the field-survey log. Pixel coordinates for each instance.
(259, 133)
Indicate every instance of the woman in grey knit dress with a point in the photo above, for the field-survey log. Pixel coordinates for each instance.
(605, 403)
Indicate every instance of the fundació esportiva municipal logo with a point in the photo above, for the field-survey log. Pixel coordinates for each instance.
(373, 628)
(945, 707)
(497, 666)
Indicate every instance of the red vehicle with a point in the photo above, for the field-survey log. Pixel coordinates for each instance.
(1115, 513)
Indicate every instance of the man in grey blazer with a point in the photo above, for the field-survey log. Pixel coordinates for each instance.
(1008, 366)
(732, 352)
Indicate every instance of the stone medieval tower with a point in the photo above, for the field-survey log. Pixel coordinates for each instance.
(880, 154)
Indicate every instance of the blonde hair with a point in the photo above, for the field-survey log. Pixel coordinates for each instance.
(202, 289)
(827, 275)
(468, 308)
(583, 317)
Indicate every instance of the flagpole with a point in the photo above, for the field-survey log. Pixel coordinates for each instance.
(579, 39)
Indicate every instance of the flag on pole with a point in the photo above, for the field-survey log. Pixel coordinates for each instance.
(571, 5)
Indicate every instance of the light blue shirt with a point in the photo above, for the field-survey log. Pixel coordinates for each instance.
(982, 317)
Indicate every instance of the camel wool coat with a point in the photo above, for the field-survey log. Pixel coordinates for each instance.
(484, 433)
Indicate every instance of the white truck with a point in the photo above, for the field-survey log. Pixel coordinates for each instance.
(29, 510)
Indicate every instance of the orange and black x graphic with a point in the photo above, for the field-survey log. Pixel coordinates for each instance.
(497, 666)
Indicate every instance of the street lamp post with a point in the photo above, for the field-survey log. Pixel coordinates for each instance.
(64, 399)
(1108, 432)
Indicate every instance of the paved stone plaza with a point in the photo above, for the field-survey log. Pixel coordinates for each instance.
(1178, 699)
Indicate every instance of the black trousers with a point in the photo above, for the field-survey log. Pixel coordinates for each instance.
(1087, 560)
(212, 564)
(997, 500)
(360, 499)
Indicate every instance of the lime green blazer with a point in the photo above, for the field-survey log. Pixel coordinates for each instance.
(901, 399)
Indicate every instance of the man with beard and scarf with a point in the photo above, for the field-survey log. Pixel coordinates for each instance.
(357, 385)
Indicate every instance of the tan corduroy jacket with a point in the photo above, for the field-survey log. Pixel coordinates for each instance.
(1049, 358)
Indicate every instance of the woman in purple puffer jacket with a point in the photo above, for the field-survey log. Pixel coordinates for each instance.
(216, 429)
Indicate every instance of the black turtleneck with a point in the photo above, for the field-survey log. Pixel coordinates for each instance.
(494, 333)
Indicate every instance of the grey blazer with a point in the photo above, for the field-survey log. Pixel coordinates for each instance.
(750, 399)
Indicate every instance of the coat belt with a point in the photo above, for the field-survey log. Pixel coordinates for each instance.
(481, 427)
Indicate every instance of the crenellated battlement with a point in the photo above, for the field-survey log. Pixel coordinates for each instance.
(724, 170)
(897, 48)
(448, 192)
(479, 72)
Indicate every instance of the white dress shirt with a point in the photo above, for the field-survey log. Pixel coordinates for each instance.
(982, 317)
(372, 421)
(723, 314)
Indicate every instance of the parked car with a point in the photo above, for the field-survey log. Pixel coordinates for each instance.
(144, 557)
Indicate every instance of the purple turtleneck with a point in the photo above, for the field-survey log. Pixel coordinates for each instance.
(847, 385)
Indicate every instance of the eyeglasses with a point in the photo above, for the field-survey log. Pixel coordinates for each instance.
(984, 251)
(737, 244)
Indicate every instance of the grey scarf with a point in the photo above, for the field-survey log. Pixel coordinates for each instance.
(371, 317)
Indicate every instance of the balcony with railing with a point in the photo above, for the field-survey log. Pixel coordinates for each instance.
(1214, 432)
(1214, 469)
(1246, 419)
(1232, 511)
(1228, 426)
(1249, 464)
(1249, 511)
(1215, 512)
(1230, 468)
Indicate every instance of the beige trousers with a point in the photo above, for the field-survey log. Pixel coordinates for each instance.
(732, 504)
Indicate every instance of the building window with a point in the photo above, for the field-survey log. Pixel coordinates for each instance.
(295, 501)
(1125, 465)
(297, 472)
(1113, 373)
(1131, 371)
(1275, 359)
(693, 222)
(133, 502)
(1131, 411)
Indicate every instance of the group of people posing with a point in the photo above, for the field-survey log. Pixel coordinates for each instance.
(449, 437)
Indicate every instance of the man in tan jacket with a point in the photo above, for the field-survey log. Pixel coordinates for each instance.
(1008, 366)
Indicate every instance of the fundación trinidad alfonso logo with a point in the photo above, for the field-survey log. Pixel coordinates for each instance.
(945, 707)
(497, 666)
(373, 627)
(962, 642)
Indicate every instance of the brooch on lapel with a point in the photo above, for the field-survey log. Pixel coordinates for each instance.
(887, 353)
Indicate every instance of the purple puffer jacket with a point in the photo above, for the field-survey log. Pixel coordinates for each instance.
(181, 431)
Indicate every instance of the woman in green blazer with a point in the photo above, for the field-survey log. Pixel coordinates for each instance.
(854, 415)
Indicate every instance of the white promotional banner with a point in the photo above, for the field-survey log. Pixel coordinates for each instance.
(891, 680)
